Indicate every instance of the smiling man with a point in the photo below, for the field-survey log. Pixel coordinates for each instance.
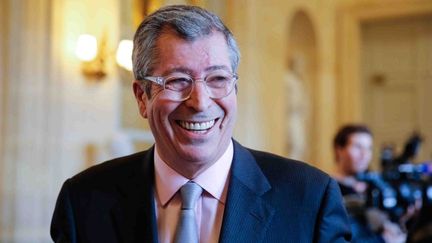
(196, 184)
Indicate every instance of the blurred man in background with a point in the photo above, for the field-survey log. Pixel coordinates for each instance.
(353, 152)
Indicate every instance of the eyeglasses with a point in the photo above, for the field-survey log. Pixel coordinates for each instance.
(179, 86)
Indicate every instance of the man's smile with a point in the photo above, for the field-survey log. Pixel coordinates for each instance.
(196, 126)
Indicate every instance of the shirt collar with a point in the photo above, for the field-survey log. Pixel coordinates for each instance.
(213, 180)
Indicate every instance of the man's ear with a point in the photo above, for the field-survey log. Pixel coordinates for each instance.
(140, 97)
(338, 153)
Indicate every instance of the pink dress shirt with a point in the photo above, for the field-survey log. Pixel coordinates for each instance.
(209, 207)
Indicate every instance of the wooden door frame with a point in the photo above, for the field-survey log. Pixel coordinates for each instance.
(4, 29)
(3, 93)
(4, 79)
(350, 18)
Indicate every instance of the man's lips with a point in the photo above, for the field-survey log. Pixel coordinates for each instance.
(196, 125)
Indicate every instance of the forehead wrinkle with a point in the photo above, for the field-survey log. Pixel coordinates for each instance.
(217, 67)
(186, 65)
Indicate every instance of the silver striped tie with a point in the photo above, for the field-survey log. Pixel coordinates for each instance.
(187, 228)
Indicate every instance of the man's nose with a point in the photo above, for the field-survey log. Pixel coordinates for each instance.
(364, 153)
(199, 98)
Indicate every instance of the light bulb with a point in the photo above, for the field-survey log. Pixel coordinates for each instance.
(86, 48)
(124, 54)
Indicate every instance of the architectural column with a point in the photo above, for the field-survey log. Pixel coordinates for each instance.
(3, 87)
(30, 128)
(240, 18)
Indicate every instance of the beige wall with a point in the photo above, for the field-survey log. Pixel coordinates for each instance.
(262, 27)
(3, 19)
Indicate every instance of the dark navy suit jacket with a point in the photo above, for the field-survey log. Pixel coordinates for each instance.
(270, 199)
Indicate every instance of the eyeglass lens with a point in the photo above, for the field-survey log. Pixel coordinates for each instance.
(218, 85)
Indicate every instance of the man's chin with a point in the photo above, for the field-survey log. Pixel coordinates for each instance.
(200, 153)
(196, 159)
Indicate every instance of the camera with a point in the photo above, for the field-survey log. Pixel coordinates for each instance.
(403, 188)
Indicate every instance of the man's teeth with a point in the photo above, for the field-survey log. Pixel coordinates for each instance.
(197, 126)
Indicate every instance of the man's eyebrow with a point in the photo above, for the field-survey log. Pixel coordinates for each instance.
(190, 72)
(217, 67)
(177, 70)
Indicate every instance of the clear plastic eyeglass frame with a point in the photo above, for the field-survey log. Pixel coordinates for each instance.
(218, 84)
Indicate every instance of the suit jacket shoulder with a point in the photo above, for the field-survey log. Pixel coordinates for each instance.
(278, 168)
(109, 202)
(297, 179)
(110, 172)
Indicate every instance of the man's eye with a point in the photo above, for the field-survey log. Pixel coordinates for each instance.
(218, 81)
(177, 83)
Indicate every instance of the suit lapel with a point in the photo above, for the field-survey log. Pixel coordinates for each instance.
(247, 215)
(134, 215)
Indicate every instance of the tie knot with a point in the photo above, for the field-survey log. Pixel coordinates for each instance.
(190, 192)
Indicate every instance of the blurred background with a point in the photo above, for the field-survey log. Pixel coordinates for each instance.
(307, 68)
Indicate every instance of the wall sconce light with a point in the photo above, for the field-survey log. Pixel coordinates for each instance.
(124, 54)
(93, 56)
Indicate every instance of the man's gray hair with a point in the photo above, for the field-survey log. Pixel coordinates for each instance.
(188, 22)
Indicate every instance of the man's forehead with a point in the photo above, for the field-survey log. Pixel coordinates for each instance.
(359, 137)
(204, 54)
